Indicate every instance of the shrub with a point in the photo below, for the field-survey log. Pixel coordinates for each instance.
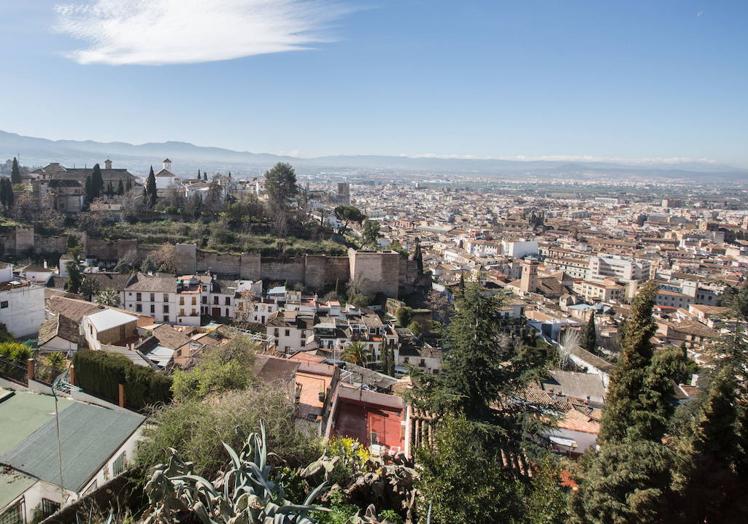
(197, 429)
(99, 373)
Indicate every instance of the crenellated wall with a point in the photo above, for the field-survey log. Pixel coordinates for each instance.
(386, 273)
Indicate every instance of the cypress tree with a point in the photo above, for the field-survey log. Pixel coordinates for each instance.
(89, 189)
(10, 197)
(97, 182)
(120, 188)
(4, 185)
(75, 275)
(150, 189)
(418, 257)
(15, 173)
(590, 336)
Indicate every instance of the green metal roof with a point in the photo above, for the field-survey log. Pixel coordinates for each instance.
(24, 412)
(89, 435)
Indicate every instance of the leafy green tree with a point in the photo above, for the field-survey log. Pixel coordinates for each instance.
(546, 503)
(415, 328)
(404, 316)
(224, 369)
(371, 233)
(15, 172)
(75, 275)
(589, 340)
(89, 287)
(462, 479)
(150, 190)
(346, 215)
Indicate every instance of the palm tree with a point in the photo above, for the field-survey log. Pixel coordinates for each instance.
(355, 354)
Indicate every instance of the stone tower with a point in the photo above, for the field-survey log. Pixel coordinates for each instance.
(529, 280)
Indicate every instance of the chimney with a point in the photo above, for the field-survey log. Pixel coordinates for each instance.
(167, 164)
(107, 164)
(71, 374)
(121, 395)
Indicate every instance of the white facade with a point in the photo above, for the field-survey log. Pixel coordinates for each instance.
(171, 308)
(621, 268)
(21, 308)
(520, 248)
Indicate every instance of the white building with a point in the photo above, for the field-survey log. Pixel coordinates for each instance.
(520, 248)
(21, 304)
(98, 443)
(619, 268)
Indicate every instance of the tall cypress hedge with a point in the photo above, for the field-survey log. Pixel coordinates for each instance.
(99, 373)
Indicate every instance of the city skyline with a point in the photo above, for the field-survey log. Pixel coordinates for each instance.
(629, 82)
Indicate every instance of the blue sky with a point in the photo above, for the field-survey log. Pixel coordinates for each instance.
(492, 78)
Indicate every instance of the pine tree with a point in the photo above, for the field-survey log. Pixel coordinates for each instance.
(590, 335)
(623, 412)
(712, 490)
(15, 173)
(150, 189)
(481, 367)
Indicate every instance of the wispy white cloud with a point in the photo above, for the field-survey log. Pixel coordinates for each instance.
(154, 32)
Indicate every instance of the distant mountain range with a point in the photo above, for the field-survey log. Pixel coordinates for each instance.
(187, 158)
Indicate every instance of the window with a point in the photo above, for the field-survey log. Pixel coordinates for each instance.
(165, 297)
(181, 301)
(166, 308)
(4, 304)
(227, 313)
(153, 297)
(194, 301)
(215, 300)
(138, 297)
(49, 507)
(275, 332)
(118, 466)
(153, 308)
(205, 300)
(139, 308)
(227, 302)
(181, 312)
(166, 318)
(288, 332)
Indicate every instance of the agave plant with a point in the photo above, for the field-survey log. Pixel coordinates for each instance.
(242, 494)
